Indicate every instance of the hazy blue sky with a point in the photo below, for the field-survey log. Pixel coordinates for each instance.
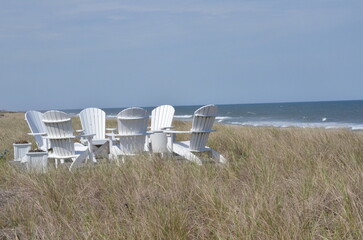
(76, 54)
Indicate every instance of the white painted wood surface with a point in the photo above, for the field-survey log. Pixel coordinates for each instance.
(132, 129)
(203, 121)
(37, 161)
(37, 128)
(161, 118)
(93, 121)
(58, 125)
(20, 151)
(60, 134)
(182, 149)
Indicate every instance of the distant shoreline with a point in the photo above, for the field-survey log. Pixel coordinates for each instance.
(287, 125)
(6, 111)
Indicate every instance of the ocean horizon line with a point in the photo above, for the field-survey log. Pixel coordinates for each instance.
(193, 105)
(319, 114)
(312, 114)
(187, 105)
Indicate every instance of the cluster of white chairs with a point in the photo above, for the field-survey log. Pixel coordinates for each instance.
(53, 132)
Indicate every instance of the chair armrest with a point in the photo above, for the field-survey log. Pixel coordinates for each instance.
(166, 128)
(56, 138)
(111, 136)
(111, 129)
(156, 131)
(173, 131)
(37, 134)
(129, 135)
(80, 130)
(86, 136)
(207, 131)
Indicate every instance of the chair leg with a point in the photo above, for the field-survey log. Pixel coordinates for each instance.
(118, 160)
(102, 151)
(91, 156)
(218, 157)
(79, 160)
(184, 152)
(147, 147)
(115, 151)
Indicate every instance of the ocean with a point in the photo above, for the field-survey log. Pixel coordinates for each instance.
(334, 114)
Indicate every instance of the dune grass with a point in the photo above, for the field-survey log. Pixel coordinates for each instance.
(278, 184)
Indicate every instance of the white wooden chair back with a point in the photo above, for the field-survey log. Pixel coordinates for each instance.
(62, 148)
(58, 125)
(93, 121)
(36, 125)
(203, 121)
(132, 128)
(60, 133)
(161, 117)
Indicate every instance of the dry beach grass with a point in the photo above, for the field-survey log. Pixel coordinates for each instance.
(278, 184)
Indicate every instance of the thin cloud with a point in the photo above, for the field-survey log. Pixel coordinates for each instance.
(49, 35)
(117, 18)
(212, 9)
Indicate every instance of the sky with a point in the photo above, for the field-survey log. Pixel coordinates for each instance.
(77, 54)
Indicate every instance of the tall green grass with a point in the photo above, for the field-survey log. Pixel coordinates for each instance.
(277, 184)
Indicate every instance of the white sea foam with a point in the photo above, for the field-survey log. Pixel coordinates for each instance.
(282, 124)
(357, 128)
(183, 116)
(278, 124)
(222, 118)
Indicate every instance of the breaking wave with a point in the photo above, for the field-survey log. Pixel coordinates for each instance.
(183, 116)
(282, 124)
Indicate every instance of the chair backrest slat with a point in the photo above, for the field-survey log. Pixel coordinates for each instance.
(62, 148)
(60, 133)
(36, 125)
(203, 121)
(133, 122)
(161, 117)
(93, 121)
(58, 124)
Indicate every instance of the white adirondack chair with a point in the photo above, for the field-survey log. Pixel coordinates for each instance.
(93, 121)
(60, 134)
(203, 120)
(161, 119)
(37, 128)
(132, 129)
